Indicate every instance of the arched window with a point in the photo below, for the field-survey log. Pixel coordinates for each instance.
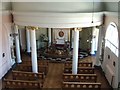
(111, 38)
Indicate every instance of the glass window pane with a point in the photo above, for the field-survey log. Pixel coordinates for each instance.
(112, 38)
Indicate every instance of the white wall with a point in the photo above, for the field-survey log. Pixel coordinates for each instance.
(111, 17)
(38, 33)
(0, 48)
(22, 37)
(6, 5)
(111, 6)
(41, 31)
(113, 69)
(5, 39)
(5, 44)
(85, 35)
(56, 0)
(59, 39)
(110, 0)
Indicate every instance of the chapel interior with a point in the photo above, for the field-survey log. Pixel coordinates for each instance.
(59, 45)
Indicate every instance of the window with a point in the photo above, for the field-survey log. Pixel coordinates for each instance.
(111, 38)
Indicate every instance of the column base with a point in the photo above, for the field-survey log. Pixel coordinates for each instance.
(29, 53)
(93, 54)
(97, 66)
(20, 61)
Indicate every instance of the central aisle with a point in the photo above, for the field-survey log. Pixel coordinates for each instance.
(54, 76)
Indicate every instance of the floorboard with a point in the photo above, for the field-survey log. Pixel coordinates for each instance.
(54, 76)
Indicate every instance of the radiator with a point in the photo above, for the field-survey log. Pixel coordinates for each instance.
(109, 74)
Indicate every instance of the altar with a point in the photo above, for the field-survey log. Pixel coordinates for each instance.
(57, 51)
(60, 41)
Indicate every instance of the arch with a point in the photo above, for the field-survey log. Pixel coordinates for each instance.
(111, 38)
(111, 55)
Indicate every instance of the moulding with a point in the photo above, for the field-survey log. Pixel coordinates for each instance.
(6, 12)
(107, 13)
(58, 20)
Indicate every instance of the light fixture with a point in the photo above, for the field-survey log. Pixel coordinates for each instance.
(13, 34)
(80, 29)
(87, 40)
(92, 12)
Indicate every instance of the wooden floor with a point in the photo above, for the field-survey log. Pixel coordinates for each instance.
(55, 71)
(54, 76)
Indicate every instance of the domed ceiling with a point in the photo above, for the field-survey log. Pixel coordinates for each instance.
(61, 7)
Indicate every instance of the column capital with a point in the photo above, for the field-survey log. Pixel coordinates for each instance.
(32, 27)
(16, 26)
(78, 29)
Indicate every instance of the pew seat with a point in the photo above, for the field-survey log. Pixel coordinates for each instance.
(40, 62)
(22, 84)
(82, 85)
(79, 77)
(80, 64)
(28, 68)
(21, 75)
(81, 70)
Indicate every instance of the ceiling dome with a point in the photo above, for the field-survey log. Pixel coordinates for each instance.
(57, 14)
(57, 7)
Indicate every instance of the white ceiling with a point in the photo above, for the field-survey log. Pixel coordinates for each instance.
(55, 0)
(61, 0)
(61, 7)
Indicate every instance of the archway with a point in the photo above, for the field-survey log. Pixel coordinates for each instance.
(110, 63)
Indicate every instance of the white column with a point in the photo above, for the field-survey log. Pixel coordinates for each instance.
(34, 52)
(69, 35)
(75, 52)
(96, 39)
(28, 40)
(93, 43)
(17, 45)
(49, 35)
(93, 46)
(99, 48)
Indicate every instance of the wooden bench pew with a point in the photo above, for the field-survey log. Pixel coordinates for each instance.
(12, 84)
(80, 64)
(28, 68)
(81, 70)
(81, 85)
(40, 62)
(20, 75)
(79, 77)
